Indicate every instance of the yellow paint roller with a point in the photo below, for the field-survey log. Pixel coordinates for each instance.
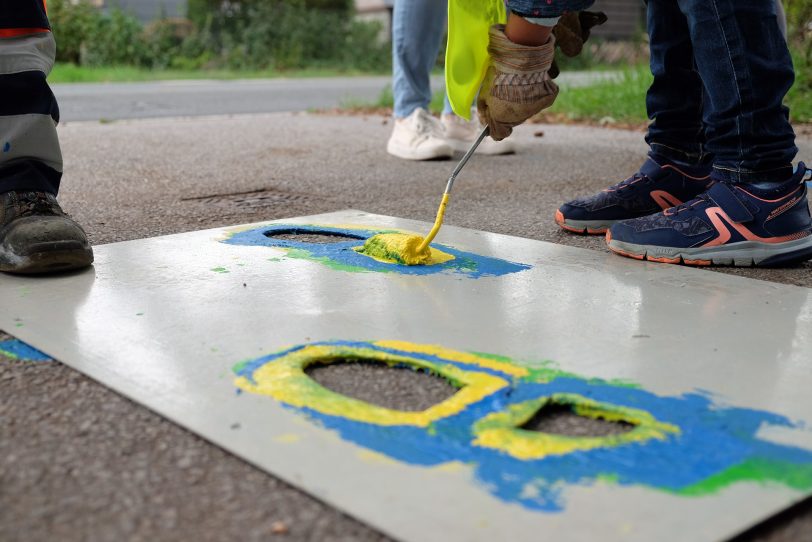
(408, 249)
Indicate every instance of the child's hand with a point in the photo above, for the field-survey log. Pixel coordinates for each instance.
(572, 31)
(517, 85)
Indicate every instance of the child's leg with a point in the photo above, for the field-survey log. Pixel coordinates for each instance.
(745, 65)
(758, 212)
(677, 169)
(417, 32)
(674, 101)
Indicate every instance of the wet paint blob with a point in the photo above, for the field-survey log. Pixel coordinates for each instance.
(344, 254)
(685, 445)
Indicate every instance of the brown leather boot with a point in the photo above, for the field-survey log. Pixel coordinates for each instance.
(36, 236)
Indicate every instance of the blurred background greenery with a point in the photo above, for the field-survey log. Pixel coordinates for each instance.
(267, 38)
(236, 35)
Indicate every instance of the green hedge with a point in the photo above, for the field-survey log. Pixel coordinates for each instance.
(253, 34)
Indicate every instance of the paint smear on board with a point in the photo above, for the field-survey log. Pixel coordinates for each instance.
(684, 445)
(16, 349)
(344, 256)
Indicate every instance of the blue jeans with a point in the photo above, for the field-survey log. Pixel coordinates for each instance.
(721, 71)
(418, 27)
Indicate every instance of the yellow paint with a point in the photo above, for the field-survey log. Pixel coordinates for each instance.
(408, 249)
(452, 467)
(402, 248)
(438, 223)
(375, 457)
(286, 381)
(459, 357)
(502, 431)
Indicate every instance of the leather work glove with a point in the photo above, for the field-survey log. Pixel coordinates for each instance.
(517, 85)
(572, 31)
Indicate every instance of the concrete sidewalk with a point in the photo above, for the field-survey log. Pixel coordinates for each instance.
(78, 462)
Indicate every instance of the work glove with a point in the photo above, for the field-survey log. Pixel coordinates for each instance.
(517, 85)
(572, 31)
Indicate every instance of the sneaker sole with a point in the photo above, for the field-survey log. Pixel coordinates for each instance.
(408, 153)
(742, 254)
(46, 258)
(584, 227)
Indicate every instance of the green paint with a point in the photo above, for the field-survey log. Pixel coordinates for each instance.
(220, 270)
(795, 475)
(300, 254)
(548, 370)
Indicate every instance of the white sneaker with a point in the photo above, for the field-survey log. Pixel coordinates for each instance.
(418, 137)
(461, 134)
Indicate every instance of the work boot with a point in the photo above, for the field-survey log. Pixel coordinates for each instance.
(418, 137)
(36, 236)
(461, 134)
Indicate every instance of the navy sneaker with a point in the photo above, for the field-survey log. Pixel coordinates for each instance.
(654, 188)
(728, 225)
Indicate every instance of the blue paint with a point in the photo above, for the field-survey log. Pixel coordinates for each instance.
(343, 255)
(713, 439)
(7, 146)
(17, 349)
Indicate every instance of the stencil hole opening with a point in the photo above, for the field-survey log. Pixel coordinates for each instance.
(398, 387)
(319, 237)
(559, 418)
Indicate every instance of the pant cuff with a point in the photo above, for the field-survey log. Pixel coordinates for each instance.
(29, 176)
(695, 157)
(739, 176)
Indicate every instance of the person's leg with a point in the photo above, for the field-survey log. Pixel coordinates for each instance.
(417, 31)
(675, 99)
(757, 213)
(677, 168)
(35, 235)
(745, 65)
(30, 158)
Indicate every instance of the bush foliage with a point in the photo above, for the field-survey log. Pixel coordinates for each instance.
(237, 34)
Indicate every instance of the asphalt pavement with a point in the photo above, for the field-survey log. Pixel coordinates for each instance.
(78, 462)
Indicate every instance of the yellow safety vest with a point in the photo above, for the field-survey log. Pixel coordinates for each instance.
(466, 58)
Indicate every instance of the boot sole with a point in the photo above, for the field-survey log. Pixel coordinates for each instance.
(55, 257)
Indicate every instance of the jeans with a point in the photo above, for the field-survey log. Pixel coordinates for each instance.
(547, 8)
(30, 157)
(418, 27)
(721, 71)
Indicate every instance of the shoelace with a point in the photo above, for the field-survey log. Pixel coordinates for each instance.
(627, 184)
(35, 204)
(701, 198)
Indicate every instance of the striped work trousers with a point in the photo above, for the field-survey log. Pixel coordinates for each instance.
(30, 158)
